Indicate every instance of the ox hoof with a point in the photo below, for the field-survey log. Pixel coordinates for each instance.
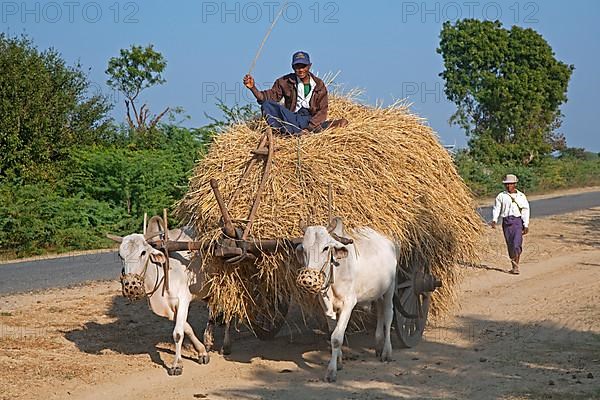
(378, 353)
(331, 376)
(203, 358)
(386, 356)
(226, 350)
(175, 371)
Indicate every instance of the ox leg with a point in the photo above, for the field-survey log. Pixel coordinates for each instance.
(337, 339)
(203, 357)
(388, 316)
(209, 336)
(379, 331)
(227, 339)
(178, 334)
(330, 315)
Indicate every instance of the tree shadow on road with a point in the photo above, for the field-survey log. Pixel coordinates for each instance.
(590, 222)
(591, 225)
(473, 358)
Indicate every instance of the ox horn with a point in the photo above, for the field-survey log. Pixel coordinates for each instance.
(333, 226)
(116, 238)
(151, 231)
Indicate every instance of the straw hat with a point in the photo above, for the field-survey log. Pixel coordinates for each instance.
(510, 178)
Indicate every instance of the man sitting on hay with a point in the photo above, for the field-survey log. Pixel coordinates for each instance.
(305, 98)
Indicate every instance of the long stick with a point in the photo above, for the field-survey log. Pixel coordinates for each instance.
(265, 38)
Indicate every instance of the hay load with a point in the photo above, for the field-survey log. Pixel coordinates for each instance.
(386, 170)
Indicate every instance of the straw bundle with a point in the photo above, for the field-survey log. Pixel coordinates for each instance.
(387, 170)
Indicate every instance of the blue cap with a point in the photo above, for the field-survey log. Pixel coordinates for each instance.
(300, 57)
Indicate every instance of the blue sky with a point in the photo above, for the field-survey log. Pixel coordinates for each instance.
(386, 48)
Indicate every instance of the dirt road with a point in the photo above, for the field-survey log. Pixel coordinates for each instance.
(515, 337)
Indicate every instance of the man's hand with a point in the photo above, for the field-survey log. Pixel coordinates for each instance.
(525, 231)
(249, 81)
(493, 224)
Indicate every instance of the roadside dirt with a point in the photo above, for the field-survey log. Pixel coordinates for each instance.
(489, 201)
(532, 336)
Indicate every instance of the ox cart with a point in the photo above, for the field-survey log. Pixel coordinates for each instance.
(414, 286)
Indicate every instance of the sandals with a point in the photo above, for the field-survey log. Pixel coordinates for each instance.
(514, 271)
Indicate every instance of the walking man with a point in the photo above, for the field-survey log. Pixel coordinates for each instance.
(512, 206)
(305, 100)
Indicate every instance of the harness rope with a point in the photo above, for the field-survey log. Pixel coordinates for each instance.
(329, 279)
(157, 283)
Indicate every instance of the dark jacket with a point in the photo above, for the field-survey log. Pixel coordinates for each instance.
(286, 87)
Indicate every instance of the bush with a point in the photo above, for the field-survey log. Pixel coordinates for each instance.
(137, 181)
(35, 219)
(546, 175)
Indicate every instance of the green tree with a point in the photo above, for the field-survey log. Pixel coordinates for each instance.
(44, 109)
(508, 87)
(136, 69)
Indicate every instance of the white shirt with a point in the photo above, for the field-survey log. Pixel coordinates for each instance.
(505, 206)
(301, 100)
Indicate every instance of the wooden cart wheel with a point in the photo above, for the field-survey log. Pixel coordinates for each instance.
(411, 303)
(266, 326)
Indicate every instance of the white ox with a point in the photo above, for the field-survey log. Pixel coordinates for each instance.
(358, 272)
(143, 267)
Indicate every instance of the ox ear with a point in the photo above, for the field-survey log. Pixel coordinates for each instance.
(303, 225)
(116, 238)
(158, 257)
(300, 254)
(340, 252)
